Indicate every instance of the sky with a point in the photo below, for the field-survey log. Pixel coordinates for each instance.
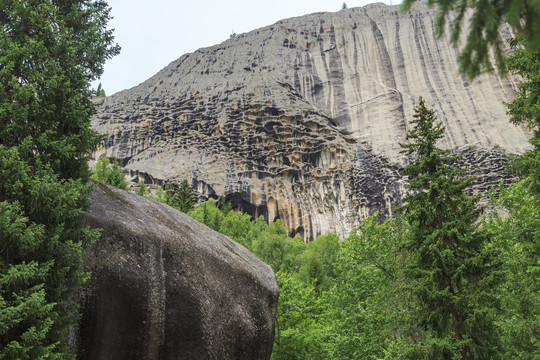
(154, 33)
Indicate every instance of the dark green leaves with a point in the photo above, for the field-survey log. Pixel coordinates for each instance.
(49, 50)
(452, 272)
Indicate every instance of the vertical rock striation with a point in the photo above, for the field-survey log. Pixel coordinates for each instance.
(302, 120)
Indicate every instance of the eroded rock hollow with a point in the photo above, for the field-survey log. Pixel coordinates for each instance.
(302, 120)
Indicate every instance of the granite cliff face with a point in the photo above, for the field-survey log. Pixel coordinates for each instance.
(302, 120)
(164, 286)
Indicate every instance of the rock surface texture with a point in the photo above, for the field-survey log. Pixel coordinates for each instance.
(165, 287)
(302, 120)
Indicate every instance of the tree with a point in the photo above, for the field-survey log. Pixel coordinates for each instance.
(317, 261)
(207, 213)
(522, 201)
(161, 195)
(297, 333)
(225, 205)
(525, 108)
(361, 308)
(184, 199)
(483, 30)
(49, 52)
(110, 174)
(99, 91)
(237, 226)
(141, 190)
(452, 270)
(276, 249)
(516, 234)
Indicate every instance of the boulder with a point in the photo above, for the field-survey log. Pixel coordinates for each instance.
(164, 286)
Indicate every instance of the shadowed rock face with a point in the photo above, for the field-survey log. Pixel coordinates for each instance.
(164, 287)
(302, 120)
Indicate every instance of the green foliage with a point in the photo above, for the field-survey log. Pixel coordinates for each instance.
(452, 269)
(208, 214)
(276, 249)
(525, 108)
(363, 308)
(161, 195)
(99, 91)
(518, 234)
(184, 199)
(238, 226)
(483, 28)
(110, 174)
(317, 260)
(49, 51)
(297, 335)
(225, 205)
(354, 299)
(41, 247)
(141, 190)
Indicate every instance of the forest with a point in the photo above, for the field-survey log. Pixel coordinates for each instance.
(445, 278)
(451, 275)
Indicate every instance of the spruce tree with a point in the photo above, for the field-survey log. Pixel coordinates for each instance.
(49, 52)
(184, 199)
(452, 272)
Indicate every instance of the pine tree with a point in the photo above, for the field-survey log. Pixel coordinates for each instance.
(49, 52)
(452, 272)
(184, 199)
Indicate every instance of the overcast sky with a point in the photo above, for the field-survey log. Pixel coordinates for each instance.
(153, 33)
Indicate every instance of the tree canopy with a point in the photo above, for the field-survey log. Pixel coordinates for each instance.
(452, 273)
(49, 52)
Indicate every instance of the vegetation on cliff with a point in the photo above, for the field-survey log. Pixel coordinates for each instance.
(49, 52)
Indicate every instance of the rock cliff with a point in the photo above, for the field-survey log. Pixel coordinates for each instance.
(302, 120)
(163, 286)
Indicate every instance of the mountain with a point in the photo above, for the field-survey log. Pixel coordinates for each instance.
(302, 120)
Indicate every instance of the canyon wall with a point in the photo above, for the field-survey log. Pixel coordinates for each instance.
(302, 120)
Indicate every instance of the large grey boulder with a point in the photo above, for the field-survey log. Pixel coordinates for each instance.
(164, 286)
